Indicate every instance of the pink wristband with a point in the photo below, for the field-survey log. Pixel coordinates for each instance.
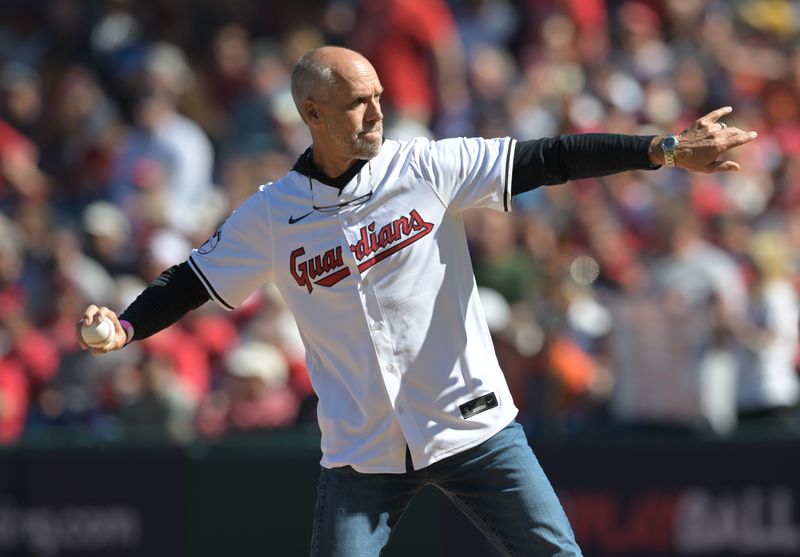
(128, 330)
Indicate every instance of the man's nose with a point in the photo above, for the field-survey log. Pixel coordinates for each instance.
(374, 113)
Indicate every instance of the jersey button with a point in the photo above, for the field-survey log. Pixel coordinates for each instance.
(400, 409)
(365, 282)
(377, 326)
(391, 368)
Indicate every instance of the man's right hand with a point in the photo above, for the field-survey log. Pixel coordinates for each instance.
(94, 314)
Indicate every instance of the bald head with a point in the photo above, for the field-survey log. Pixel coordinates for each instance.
(322, 69)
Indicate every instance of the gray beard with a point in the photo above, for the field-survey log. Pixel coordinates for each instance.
(358, 147)
(365, 150)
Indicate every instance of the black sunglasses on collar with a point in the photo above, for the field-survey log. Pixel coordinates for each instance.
(360, 200)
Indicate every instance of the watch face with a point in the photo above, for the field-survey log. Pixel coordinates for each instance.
(669, 142)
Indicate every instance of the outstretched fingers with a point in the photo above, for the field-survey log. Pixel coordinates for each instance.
(715, 115)
(726, 139)
(733, 137)
(706, 139)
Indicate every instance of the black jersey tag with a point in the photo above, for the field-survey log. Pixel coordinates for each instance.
(478, 405)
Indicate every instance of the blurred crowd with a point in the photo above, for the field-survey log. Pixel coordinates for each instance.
(129, 130)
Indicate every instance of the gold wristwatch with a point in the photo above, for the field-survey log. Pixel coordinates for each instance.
(668, 146)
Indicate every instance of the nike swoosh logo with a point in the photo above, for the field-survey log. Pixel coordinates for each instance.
(293, 220)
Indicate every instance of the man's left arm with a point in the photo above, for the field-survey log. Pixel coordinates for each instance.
(556, 160)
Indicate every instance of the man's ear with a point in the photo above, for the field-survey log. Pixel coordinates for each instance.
(311, 111)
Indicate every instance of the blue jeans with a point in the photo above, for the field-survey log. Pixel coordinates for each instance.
(499, 485)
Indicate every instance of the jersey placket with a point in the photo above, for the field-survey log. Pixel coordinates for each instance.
(380, 334)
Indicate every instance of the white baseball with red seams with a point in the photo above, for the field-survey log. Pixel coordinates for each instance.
(97, 335)
(397, 346)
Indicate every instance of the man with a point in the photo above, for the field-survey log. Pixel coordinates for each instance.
(364, 238)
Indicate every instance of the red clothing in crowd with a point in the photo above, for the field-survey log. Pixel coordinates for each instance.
(399, 37)
(13, 146)
(13, 401)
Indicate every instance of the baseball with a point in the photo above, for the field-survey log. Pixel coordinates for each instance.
(97, 335)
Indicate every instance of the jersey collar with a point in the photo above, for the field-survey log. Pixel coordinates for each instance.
(306, 167)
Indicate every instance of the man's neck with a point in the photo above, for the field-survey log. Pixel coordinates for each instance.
(331, 166)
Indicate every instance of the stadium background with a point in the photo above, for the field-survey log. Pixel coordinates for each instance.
(647, 322)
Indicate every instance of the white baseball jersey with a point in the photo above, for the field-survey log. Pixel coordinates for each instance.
(397, 346)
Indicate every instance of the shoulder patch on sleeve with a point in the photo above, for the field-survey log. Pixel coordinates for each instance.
(211, 243)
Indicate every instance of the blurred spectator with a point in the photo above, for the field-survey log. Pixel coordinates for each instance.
(151, 402)
(255, 395)
(229, 77)
(109, 237)
(415, 49)
(20, 178)
(13, 400)
(498, 261)
(21, 106)
(80, 271)
(491, 73)
(32, 351)
(486, 23)
(254, 114)
(174, 142)
(672, 342)
(187, 359)
(768, 381)
(80, 137)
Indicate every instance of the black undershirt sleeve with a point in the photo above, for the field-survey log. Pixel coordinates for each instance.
(165, 300)
(554, 160)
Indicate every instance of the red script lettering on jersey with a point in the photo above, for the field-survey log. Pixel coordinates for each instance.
(373, 246)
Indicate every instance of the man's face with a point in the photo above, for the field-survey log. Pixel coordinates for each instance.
(351, 113)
